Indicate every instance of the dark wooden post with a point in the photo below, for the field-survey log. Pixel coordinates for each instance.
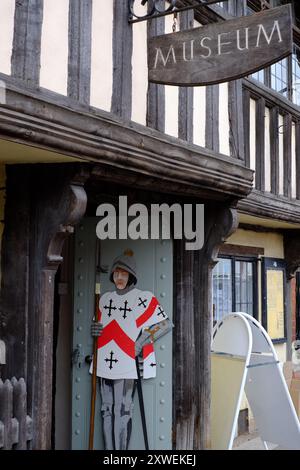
(26, 54)
(43, 204)
(122, 55)
(14, 272)
(212, 118)
(186, 94)
(193, 326)
(236, 116)
(59, 203)
(156, 93)
(292, 258)
(80, 40)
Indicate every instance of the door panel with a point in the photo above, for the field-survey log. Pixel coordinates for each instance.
(155, 273)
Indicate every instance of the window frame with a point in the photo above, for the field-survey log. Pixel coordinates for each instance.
(268, 263)
(249, 259)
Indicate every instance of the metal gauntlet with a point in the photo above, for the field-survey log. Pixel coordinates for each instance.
(152, 333)
(96, 329)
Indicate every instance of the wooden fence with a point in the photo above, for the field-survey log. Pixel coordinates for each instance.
(15, 424)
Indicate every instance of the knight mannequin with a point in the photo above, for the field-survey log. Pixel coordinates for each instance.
(130, 321)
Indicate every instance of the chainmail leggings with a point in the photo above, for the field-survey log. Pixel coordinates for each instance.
(117, 408)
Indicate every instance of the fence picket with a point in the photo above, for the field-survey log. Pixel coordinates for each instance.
(15, 424)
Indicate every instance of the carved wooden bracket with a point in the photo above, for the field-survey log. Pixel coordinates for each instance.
(220, 223)
(77, 201)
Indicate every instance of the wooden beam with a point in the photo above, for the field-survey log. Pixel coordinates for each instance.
(298, 158)
(240, 250)
(274, 141)
(14, 272)
(236, 115)
(156, 93)
(58, 201)
(260, 145)
(114, 143)
(80, 40)
(122, 55)
(212, 118)
(186, 94)
(266, 205)
(287, 152)
(246, 120)
(26, 54)
(192, 335)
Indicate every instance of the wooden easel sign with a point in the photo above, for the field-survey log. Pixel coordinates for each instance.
(244, 360)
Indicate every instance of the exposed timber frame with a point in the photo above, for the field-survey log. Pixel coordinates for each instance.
(26, 54)
(80, 41)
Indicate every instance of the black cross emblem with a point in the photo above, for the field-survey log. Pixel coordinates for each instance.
(111, 360)
(125, 309)
(161, 312)
(143, 302)
(110, 307)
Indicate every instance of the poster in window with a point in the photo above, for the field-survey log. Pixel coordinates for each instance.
(275, 303)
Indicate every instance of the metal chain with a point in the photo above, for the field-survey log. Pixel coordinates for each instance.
(263, 5)
(174, 26)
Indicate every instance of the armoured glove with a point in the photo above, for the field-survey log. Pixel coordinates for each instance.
(152, 333)
(96, 329)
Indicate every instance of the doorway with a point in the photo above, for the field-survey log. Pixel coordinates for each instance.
(155, 273)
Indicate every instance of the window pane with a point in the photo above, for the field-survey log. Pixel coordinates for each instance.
(279, 77)
(296, 75)
(244, 287)
(259, 76)
(222, 289)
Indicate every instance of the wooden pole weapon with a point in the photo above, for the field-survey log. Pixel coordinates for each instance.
(95, 351)
(94, 375)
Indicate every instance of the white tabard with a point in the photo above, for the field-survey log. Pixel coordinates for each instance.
(123, 318)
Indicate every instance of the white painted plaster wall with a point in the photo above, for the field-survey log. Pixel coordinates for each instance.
(293, 165)
(54, 46)
(267, 151)
(7, 10)
(102, 54)
(171, 95)
(253, 136)
(281, 154)
(139, 69)
(223, 119)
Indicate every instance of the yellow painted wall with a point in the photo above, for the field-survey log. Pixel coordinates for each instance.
(271, 242)
(273, 248)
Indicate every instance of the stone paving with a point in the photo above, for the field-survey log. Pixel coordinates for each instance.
(250, 442)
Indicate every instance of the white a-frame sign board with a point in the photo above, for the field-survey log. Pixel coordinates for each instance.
(244, 360)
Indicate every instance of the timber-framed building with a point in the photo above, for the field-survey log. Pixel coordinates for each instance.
(79, 126)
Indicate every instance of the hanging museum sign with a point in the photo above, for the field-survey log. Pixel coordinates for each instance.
(223, 51)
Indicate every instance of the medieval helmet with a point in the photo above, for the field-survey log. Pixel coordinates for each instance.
(127, 262)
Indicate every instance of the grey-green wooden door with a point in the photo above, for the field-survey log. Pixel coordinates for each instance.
(155, 273)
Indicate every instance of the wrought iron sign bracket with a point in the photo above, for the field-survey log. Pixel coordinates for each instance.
(156, 8)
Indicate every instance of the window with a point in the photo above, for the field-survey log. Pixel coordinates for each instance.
(296, 75)
(234, 281)
(260, 76)
(274, 298)
(279, 77)
(283, 76)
